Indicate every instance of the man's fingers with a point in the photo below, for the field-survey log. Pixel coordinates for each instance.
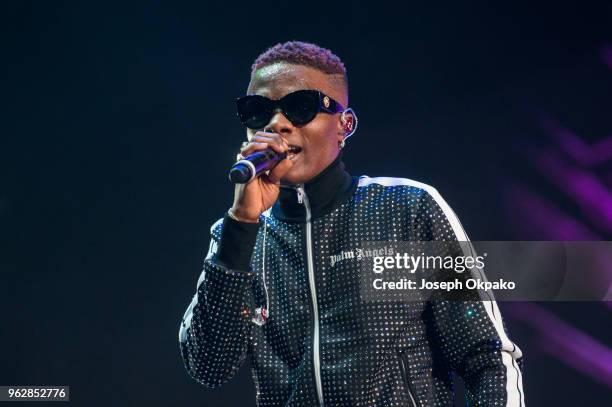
(252, 147)
(276, 142)
(261, 141)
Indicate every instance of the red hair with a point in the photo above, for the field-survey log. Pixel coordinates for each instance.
(302, 53)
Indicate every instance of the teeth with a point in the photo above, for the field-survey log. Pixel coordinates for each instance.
(294, 149)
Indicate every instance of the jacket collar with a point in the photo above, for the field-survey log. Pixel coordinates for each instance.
(325, 192)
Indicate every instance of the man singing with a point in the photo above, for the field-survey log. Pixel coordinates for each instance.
(278, 286)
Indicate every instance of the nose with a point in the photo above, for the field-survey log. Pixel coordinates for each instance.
(280, 124)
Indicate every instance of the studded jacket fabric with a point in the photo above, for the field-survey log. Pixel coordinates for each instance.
(274, 293)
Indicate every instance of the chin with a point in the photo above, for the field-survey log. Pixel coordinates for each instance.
(296, 176)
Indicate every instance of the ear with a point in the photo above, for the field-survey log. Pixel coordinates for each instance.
(341, 133)
(348, 122)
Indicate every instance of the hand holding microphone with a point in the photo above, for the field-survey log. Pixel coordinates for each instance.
(252, 165)
(252, 198)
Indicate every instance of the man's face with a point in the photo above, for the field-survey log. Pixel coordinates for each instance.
(318, 138)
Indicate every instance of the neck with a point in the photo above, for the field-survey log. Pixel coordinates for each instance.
(326, 191)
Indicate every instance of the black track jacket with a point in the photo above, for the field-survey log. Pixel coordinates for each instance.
(317, 343)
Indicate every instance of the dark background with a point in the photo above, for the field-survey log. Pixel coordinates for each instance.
(118, 127)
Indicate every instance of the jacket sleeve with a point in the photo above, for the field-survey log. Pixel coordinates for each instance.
(471, 334)
(215, 330)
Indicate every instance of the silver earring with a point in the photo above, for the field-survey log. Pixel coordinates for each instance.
(342, 144)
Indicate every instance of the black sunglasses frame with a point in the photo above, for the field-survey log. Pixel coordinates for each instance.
(269, 107)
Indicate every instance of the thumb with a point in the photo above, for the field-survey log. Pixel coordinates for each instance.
(276, 173)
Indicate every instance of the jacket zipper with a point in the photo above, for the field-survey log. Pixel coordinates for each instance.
(303, 199)
(406, 377)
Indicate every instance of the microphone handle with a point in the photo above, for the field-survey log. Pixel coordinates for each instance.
(251, 166)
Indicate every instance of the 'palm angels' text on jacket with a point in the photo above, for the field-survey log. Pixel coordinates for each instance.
(310, 338)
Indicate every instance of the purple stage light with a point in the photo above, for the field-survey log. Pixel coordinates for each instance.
(542, 220)
(565, 342)
(576, 148)
(606, 55)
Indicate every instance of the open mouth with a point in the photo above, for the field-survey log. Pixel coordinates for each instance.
(293, 151)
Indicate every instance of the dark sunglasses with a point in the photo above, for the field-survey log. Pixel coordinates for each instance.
(300, 107)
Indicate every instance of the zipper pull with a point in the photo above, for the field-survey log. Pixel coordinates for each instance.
(300, 193)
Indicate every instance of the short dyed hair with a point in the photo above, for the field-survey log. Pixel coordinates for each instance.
(305, 54)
